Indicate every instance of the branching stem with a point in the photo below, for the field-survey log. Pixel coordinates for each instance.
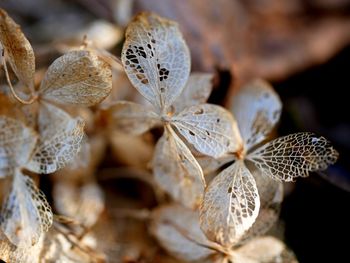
(26, 102)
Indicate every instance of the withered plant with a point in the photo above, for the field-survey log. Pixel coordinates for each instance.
(227, 220)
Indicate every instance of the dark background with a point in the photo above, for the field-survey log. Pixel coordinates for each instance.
(316, 213)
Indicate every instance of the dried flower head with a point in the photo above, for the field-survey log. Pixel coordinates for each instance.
(231, 202)
(79, 78)
(157, 62)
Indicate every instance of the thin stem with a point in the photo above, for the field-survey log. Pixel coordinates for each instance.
(27, 102)
(75, 243)
(142, 214)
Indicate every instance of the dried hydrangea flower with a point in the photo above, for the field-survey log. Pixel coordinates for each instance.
(231, 202)
(178, 231)
(157, 62)
(78, 78)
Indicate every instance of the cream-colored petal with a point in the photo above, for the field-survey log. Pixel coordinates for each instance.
(294, 155)
(211, 129)
(176, 171)
(156, 59)
(230, 206)
(25, 214)
(60, 140)
(257, 109)
(79, 78)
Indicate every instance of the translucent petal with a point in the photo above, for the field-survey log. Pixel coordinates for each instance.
(156, 59)
(60, 140)
(230, 206)
(209, 128)
(78, 77)
(294, 155)
(210, 164)
(177, 230)
(271, 196)
(17, 142)
(196, 91)
(262, 249)
(287, 256)
(132, 118)
(18, 50)
(257, 109)
(25, 215)
(22, 254)
(176, 170)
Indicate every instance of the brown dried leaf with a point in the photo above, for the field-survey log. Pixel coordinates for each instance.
(176, 170)
(78, 77)
(156, 59)
(257, 109)
(211, 129)
(177, 230)
(132, 118)
(196, 91)
(59, 142)
(230, 206)
(18, 51)
(17, 143)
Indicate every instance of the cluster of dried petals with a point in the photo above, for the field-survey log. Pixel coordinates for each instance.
(53, 139)
(157, 61)
(231, 201)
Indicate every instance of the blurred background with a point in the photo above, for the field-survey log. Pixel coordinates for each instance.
(301, 46)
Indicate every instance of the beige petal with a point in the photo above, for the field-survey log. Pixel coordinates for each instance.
(78, 77)
(132, 118)
(294, 155)
(22, 254)
(230, 206)
(17, 143)
(176, 171)
(156, 59)
(196, 91)
(25, 215)
(209, 128)
(82, 203)
(18, 51)
(59, 142)
(177, 230)
(257, 108)
(271, 196)
(262, 249)
(210, 164)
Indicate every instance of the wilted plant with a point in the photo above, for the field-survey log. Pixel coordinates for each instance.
(178, 230)
(231, 202)
(78, 78)
(224, 222)
(157, 62)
